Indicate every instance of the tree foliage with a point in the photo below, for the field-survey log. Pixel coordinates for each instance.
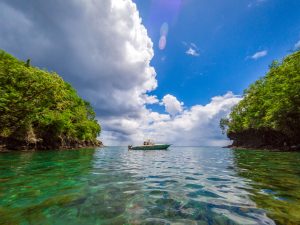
(42, 103)
(272, 102)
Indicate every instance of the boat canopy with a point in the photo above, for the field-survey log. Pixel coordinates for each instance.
(148, 142)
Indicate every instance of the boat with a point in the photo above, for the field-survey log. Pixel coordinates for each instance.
(149, 145)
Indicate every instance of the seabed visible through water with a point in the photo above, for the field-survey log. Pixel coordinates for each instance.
(182, 185)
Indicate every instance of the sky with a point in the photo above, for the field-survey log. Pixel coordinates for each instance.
(161, 69)
(216, 46)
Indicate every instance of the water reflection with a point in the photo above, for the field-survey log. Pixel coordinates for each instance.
(274, 182)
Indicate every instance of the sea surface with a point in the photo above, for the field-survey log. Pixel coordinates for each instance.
(182, 185)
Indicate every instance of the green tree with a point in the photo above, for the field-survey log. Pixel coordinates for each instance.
(271, 103)
(41, 103)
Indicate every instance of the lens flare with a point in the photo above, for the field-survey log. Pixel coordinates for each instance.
(164, 15)
(164, 29)
(162, 42)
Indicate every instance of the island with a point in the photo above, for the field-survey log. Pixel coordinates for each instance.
(268, 116)
(39, 110)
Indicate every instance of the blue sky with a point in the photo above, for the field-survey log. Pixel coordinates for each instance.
(227, 34)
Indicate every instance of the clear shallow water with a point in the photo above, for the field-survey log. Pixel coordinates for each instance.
(186, 185)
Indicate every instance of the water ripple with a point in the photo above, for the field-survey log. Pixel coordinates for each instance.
(117, 186)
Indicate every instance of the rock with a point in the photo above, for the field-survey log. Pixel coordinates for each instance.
(45, 144)
(262, 139)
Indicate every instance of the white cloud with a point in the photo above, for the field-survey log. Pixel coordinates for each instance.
(192, 52)
(260, 54)
(297, 46)
(172, 105)
(255, 3)
(150, 99)
(103, 49)
(100, 47)
(198, 125)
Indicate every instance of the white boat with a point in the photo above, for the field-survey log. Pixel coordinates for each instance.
(149, 145)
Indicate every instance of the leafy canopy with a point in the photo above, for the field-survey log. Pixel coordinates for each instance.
(272, 102)
(34, 100)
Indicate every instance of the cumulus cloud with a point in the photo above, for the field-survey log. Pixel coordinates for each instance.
(194, 126)
(103, 50)
(198, 125)
(172, 105)
(259, 54)
(100, 47)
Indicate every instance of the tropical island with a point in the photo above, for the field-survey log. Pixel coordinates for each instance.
(39, 110)
(268, 116)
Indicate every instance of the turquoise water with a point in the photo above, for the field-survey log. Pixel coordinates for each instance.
(183, 185)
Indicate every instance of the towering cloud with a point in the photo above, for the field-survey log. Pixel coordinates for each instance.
(102, 48)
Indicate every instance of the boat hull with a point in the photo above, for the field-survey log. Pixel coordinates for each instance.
(150, 147)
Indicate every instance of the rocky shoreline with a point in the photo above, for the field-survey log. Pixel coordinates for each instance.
(10, 144)
(263, 139)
